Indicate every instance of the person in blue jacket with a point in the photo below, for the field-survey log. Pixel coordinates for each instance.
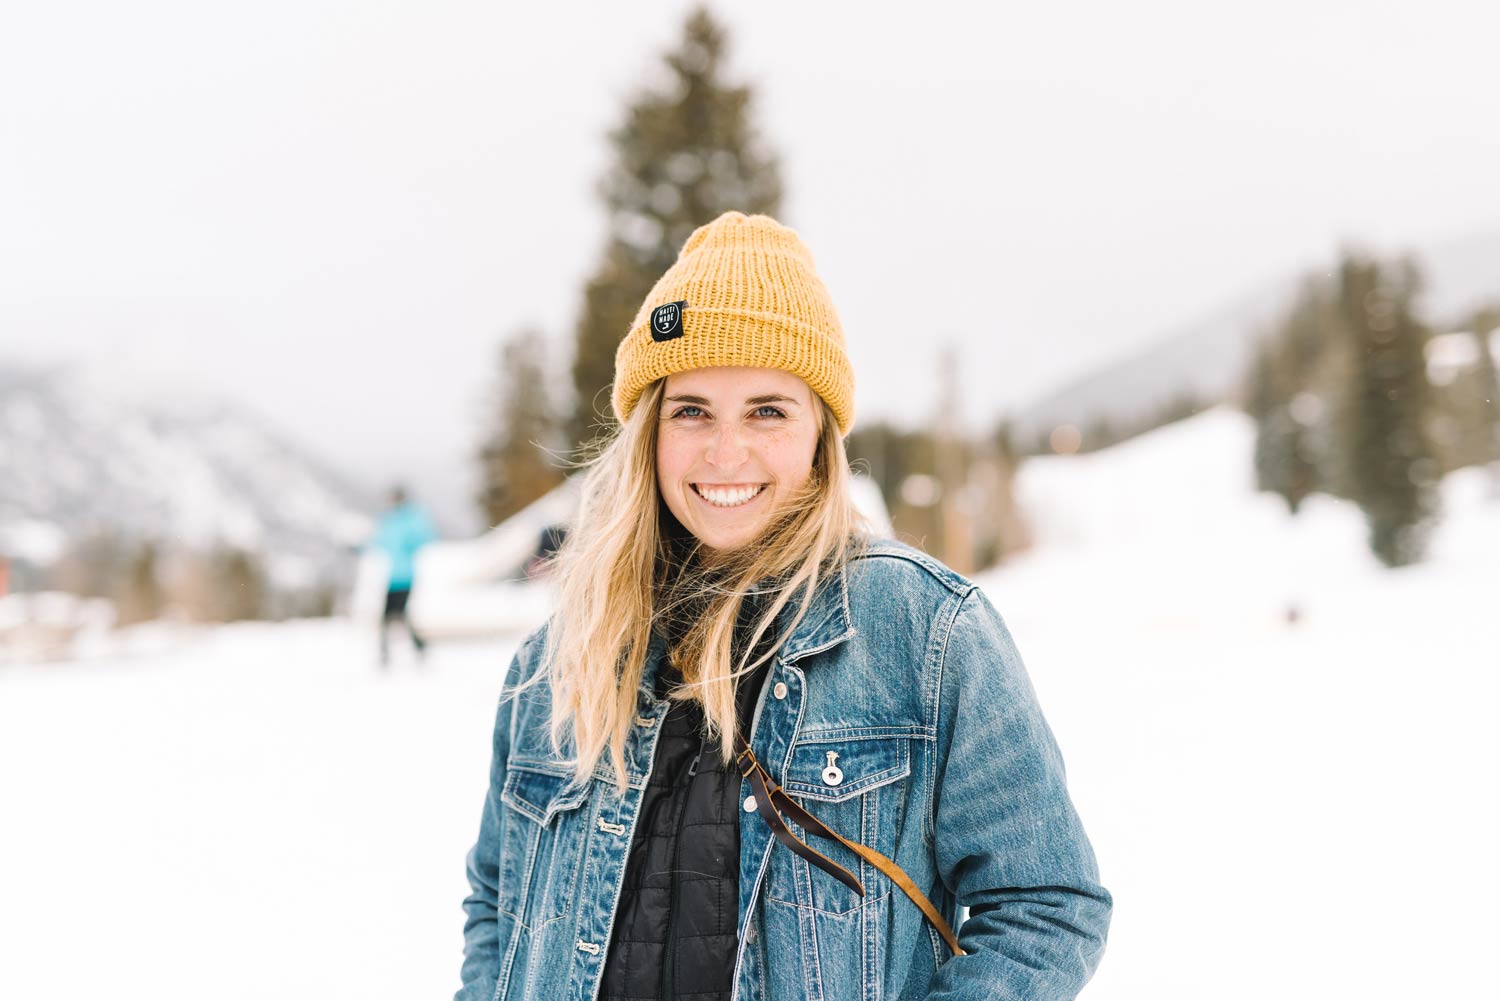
(403, 529)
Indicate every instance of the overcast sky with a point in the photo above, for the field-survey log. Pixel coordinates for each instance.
(334, 211)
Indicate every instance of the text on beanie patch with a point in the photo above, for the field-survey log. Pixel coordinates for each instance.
(666, 321)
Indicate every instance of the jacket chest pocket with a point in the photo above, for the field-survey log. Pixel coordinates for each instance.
(858, 788)
(539, 868)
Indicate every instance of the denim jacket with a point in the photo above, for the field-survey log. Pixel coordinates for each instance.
(902, 676)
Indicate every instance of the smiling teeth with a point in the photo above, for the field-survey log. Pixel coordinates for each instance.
(728, 498)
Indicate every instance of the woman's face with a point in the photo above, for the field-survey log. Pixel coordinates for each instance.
(733, 443)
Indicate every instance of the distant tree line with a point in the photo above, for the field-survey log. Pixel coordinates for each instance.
(1343, 403)
(148, 579)
(1101, 432)
(950, 494)
(1339, 391)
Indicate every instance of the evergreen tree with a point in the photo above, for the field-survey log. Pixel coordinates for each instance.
(686, 153)
(93, 565)
(1003, 528)
(1391, 462)
(1463, 421)
(891, 455)
(140, 598)
(514, 466)
(1006, 441)
(1266, 403)
(239, 585)
(1282, 395)
(1485, 324)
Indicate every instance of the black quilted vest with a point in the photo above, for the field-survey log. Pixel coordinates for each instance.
(675, 933)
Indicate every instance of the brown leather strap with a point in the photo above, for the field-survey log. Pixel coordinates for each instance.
(764, 798)
(770, 799)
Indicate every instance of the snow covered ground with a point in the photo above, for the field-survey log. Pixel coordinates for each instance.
(1281, 809)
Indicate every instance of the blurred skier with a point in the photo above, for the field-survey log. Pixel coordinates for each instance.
(403, 529)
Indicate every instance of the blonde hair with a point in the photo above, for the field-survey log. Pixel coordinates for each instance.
(619, 572)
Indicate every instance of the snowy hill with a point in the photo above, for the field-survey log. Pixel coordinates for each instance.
(1208, 357)
(80, 456)
(258, 799)
(1175, 511)
(1264, 729)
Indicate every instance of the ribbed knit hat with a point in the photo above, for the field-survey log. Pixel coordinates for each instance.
(742, 292)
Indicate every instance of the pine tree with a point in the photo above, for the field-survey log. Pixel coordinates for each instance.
(93, 565)
(239, 585)
(1266, 402)
(1283, 395)
(1485, 324)
(514, 465)
(1391, 462)
(140, 598)
(686, 153)
(873, 448)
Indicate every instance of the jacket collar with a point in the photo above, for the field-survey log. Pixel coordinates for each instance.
(826, 625)
(827, 622)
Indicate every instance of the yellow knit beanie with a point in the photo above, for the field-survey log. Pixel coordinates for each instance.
(743, 292)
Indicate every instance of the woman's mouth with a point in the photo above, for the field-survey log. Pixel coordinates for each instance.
(729, 497)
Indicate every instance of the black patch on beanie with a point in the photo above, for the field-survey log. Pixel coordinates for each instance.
(666, 321)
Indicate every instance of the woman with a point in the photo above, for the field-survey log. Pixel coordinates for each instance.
(757, 753)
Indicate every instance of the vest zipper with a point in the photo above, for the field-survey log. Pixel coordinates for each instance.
(669, 961)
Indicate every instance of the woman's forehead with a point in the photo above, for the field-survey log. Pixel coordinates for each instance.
(727, 383)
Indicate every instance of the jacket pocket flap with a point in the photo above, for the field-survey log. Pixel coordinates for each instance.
(541, 795)
(856, 766)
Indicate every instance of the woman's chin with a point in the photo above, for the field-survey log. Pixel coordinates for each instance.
(724, 543)
(724, 538)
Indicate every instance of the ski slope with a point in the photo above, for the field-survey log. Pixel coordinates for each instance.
(1281, 809)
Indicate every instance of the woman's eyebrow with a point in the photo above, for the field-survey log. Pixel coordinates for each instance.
(754, 400)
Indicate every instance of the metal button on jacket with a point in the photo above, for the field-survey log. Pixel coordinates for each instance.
(833, 775)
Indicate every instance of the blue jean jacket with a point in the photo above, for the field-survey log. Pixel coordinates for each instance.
(904, 676)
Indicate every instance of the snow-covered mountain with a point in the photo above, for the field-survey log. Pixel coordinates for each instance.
(80, 457)
(1208, 357)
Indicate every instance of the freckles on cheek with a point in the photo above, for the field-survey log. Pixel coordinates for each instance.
(790, 456)
(779, 454)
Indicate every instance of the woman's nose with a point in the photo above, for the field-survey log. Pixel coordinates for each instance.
(726, 450)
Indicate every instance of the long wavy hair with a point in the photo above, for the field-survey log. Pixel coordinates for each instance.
(627, 567)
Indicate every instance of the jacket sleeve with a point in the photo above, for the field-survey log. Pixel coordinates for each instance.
(1008, 843)
(481, 964)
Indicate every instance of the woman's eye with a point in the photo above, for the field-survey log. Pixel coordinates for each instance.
(691, 411)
